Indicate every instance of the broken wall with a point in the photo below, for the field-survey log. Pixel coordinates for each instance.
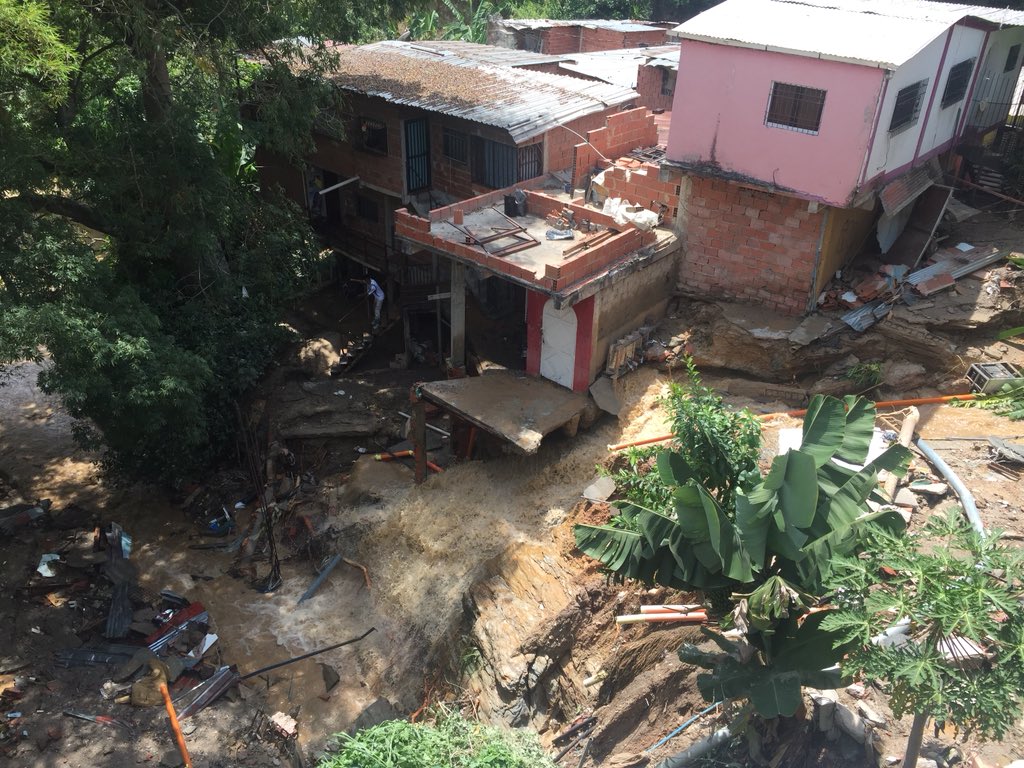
(643, 186)
(846, 231)
(749, 245)
(628, 303)
(621, 133)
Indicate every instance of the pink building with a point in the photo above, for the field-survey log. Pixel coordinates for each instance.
(802, 127)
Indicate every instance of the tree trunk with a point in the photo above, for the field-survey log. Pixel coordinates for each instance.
(914, 741)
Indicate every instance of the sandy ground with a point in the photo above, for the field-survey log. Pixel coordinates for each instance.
(424, 546)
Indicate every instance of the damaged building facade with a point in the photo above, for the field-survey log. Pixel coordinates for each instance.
(437, 137)
(804, 130)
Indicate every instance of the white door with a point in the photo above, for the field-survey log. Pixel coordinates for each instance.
(558, 344)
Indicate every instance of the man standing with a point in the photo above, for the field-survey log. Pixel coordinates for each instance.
(373, 289)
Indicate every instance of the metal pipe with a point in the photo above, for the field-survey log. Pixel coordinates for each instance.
(431, 427)
(339, 185)
(970, 508)
(698, 750)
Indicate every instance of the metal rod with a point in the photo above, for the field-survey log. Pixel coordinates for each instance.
(339, 185)
(279, 664)
(432, 428)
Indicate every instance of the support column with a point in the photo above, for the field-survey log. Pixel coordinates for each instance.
(458, 318)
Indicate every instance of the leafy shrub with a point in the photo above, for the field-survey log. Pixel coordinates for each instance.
(451, 741)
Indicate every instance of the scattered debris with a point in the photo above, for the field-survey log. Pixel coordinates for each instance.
(44, 568)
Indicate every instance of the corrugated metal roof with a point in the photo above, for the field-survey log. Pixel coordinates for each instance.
(524, 103)
(619, 67)
(610, 24)
(484, 54)
(879, 33)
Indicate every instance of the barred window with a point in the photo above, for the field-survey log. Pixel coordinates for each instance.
(795, 107)
(373, 135)
(907, 109)
(531, 161)
(455, 145)
(956, 83)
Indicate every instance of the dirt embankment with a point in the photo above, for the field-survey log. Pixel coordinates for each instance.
(476, 591)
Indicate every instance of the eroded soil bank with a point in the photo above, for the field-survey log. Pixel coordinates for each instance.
(476, 592)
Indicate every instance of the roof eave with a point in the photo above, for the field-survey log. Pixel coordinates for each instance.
(888, 65)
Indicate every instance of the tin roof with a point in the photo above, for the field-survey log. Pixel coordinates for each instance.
(878, 33)
(524, 103)
(609, 24)
(483, 54)
(619, 67)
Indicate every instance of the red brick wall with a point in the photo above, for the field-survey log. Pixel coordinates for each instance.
(558, 40)
(749, 245)
(648, 85)
(642, 186)
(596, 39)
(622, 132)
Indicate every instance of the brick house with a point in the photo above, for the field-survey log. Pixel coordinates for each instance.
(560, 36)
(430, 124)
(427, 124)
(804, 130)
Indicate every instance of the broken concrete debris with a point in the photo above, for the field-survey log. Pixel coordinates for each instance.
(871, 296)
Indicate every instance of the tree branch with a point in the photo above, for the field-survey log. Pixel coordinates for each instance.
(69, 209)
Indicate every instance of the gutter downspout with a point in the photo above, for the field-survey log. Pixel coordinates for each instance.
(874, 126)
(931, 99)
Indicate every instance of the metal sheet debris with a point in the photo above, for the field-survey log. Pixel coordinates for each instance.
(863, 318)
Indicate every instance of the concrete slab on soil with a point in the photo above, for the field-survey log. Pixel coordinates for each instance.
(518, 408)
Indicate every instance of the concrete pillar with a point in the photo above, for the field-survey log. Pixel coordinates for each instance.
(458, 318)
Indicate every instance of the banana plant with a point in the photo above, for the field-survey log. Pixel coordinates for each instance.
(773, 550)
(810, 506)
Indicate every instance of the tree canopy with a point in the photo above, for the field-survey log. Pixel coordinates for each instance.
(130, 216)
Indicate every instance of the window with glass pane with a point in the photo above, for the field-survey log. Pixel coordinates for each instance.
(795, 107)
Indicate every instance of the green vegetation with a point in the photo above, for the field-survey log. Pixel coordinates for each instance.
(1008, 402)
(721, 446)
(772, 546)
(866, 375)
(130, 216)
(450, 740)
(958, 596)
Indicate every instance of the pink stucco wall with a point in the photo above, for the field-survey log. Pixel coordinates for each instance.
(719, 111)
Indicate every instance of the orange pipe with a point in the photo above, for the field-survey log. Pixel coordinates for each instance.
(645, 441)
(672, 609)
(433, 466)
(803, 412)
(393, 455)
(173, 717)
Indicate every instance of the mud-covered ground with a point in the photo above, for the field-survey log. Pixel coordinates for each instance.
(476, 593)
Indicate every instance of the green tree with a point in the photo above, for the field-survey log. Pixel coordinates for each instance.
(130, 216)
(936, 617)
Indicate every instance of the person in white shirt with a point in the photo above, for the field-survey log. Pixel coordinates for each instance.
(373, 289)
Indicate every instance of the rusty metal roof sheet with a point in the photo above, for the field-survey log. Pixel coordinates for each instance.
(524, 103)
(877, 33)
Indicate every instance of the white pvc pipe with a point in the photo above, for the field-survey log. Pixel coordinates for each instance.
(966, 498)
